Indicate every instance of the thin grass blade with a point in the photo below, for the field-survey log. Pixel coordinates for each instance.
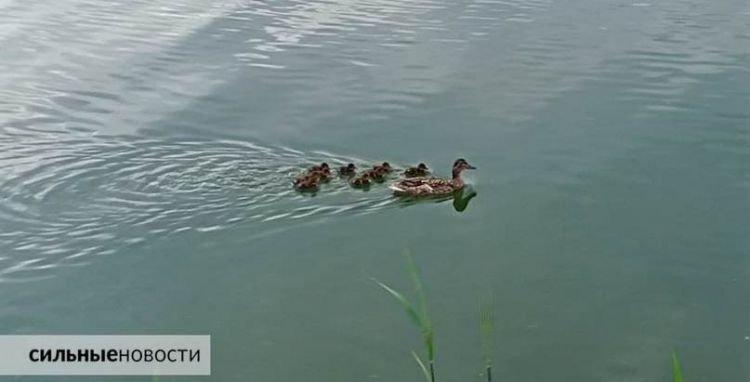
(424, 317)
(486, 329)
(417, 283)
(421, 366)
(410, 310)
(676, 371)
(418, 315)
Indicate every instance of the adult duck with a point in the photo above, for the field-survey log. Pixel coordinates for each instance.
(430, 186)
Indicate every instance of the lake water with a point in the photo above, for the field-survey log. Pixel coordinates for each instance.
(147, 150)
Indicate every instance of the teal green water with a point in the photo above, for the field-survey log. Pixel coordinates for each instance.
(147, 150)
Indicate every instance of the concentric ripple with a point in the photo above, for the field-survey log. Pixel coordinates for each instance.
(67, 199)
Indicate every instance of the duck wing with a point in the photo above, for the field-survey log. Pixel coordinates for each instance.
(423, 186)
(432, 181)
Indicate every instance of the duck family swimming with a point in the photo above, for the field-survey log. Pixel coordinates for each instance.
(416, 182)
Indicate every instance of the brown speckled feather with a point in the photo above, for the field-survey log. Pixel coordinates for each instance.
(424, 186)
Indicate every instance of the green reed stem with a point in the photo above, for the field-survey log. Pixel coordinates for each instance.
(486, 328)
(419, 315)
(676, 370)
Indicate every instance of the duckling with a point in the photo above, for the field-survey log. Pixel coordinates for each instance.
(420, 170)
(347, 170)
(308, 183)
(385, 167)
(323, 167)
(323, 175)
(376, 174)
(361, 181)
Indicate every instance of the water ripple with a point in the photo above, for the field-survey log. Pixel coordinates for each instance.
(71, 198)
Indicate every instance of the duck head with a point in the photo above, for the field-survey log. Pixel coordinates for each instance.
(422, 166)
(460, 165)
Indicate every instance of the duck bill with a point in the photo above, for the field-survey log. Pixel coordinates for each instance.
(470, 167)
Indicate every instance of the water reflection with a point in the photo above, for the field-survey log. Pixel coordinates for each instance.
(462, 197)
(459, 199)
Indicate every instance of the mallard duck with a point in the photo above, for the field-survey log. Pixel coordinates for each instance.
(361, 181)
(429, 186)
(347, 170)
(308, 183)
(420, 170)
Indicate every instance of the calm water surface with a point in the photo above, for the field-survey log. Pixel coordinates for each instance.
(146, 150)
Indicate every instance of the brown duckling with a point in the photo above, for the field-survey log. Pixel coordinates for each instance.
(361, 181)
(308, 183)
(379, 172)
(420, 170)
(376, 175)
(323, 175)
(384, 168)
(347, 170)
(323, 167)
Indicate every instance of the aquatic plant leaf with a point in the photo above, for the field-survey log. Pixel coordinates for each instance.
(417, 283)
(424, 317)
(417, 314)
(486, 328)
(410, 310)
(421, 366)
(676, 371)
(429, 344)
